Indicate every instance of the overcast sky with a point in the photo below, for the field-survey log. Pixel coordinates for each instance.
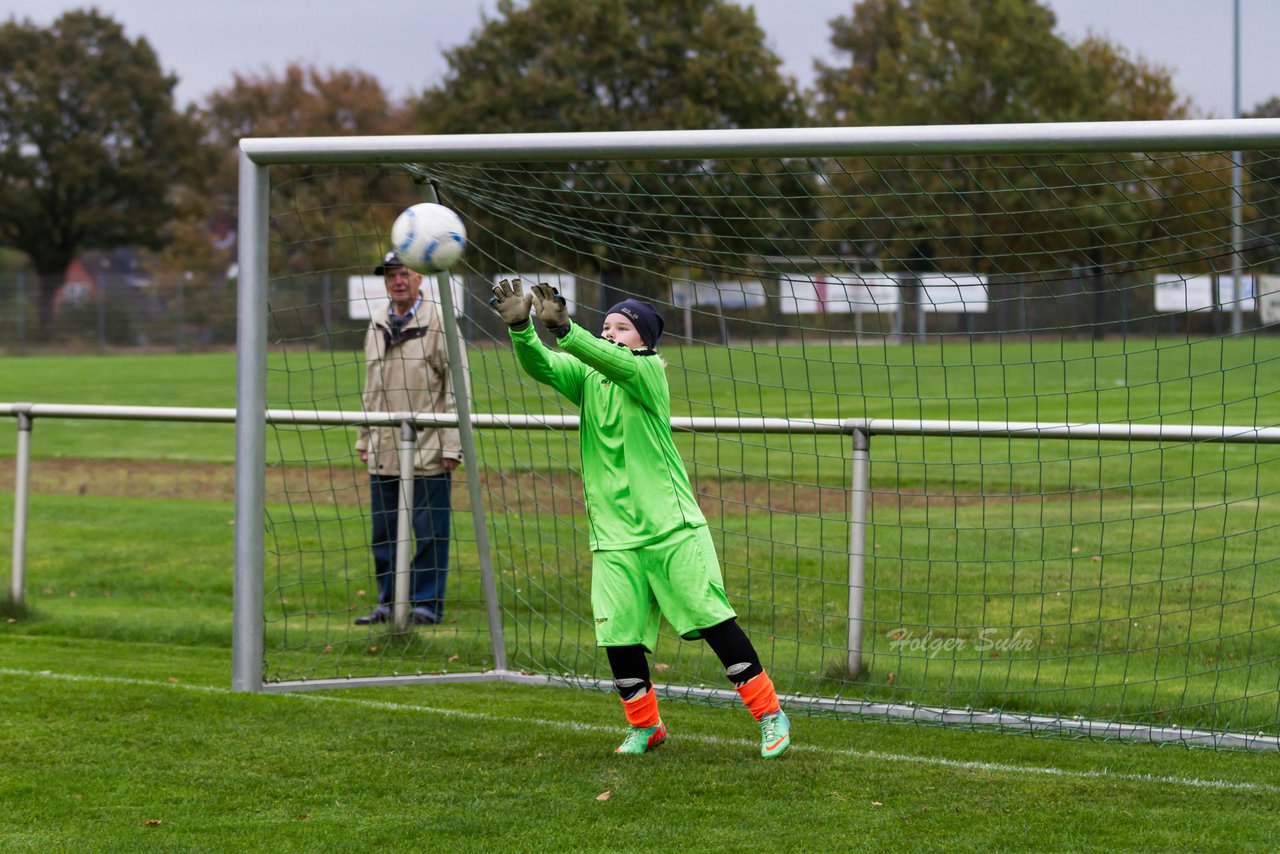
(204, 43)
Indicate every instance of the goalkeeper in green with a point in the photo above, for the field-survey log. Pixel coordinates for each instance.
(652, 554)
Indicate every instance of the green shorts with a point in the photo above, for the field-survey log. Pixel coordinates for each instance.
(677, 577)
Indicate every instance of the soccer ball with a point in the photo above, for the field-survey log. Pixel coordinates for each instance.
(428, 237)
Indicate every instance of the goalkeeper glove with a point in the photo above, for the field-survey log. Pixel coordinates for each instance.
(551, 309)
(511, 302)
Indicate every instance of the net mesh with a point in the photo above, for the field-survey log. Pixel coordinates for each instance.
(1123, 581)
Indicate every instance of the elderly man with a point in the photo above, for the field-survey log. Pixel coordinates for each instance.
(407, 370)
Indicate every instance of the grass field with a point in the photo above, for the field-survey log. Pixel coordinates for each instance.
(121, 733)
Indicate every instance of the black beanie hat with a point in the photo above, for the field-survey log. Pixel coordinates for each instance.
(643, 316)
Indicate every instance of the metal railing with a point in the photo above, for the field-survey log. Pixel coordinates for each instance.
(859, 430)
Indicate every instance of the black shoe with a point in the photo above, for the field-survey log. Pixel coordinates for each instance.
(423, 616)
(379, 614)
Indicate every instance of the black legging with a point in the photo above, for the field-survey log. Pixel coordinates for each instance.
(727, 640)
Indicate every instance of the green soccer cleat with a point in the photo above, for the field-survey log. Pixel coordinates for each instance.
(775, 734)
(642, 739)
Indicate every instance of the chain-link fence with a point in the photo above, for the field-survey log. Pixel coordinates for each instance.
(42, 314)
(54, 314)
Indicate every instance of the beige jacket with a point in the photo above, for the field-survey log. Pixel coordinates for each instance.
(409, 374)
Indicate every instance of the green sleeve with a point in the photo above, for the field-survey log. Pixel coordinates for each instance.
(563, 373)
(618, 364)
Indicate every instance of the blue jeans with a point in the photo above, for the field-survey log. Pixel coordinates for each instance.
(430, 519)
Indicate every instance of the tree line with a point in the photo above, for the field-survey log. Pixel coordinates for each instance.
(95, 153)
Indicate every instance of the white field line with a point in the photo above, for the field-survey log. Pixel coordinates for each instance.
(577, 726)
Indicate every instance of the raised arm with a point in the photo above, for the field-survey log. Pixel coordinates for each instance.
(619, 364)
(563, 373)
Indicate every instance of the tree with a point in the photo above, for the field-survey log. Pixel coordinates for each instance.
(337, 216)
(91, 146)
(299, 102)
(915, 62)
(610, 65)
(617, 65)
(943, 62)
(1262, 192)
(923, 62)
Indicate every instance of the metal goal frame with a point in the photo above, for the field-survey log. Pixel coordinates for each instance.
(258, 155)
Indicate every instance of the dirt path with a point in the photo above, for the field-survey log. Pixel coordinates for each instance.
(521, 492)
(127, 479)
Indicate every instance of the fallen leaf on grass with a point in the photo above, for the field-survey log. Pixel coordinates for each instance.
(372, 649)
(876, 804)
(454, 657)
(661, 666)
(173, 679)
(152, 822)
(304, 816)
(605, 795)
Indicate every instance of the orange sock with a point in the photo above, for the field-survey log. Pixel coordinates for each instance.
(759, 697)
(642, 711)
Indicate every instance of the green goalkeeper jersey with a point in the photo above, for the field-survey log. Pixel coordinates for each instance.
(637, 489)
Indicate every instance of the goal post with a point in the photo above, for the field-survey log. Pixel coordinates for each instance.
(967, 408)
(251, 425)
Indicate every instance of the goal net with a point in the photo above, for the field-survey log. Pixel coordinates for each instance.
(983, 420)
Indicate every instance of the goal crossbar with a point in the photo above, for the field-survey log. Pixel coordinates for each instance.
(1183, 135)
